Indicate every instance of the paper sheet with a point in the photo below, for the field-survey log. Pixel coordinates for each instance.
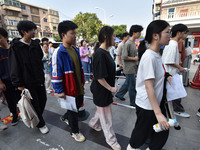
(176, 90)
(69, 103)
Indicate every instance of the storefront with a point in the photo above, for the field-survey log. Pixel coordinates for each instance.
(196, 48)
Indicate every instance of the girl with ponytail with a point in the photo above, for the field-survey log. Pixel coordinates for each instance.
(149, 85)
(103, 86)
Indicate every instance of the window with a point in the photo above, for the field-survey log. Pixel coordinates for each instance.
(11, 22)
(54, 20)
(44, 12)
(23, 7)
(46, 27)
(34, 10)
(196, 41)
(52, 12)
(45, 19)
(54, 28)
(12, 13)
(183, 13)
(13, 33)
(11, 2)
(171, 13)
(36, 19)
(25, 17)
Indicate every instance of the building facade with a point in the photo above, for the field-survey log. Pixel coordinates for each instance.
(180, 11)
(13, 11)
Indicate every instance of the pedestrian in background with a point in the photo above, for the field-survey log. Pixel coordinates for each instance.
(103, 86)
(130, 63)
(47, 69)
(171, 61)
(84, 53)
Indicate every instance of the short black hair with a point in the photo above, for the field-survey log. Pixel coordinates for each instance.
(50, 42)
(37, 40)
(65, 26)
(45, 39)
(124, 34)
(178, 28)
(135, 28)
(25, 26)
(3, 32)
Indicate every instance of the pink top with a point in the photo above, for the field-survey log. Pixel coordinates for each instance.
(82, 51)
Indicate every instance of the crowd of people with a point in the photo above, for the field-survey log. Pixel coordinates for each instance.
(38, 67)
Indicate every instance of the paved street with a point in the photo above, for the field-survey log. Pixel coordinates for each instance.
(22, 138)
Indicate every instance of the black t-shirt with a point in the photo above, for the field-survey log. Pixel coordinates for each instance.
(104, 67)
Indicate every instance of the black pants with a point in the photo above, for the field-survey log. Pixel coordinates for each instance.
(12, 96)
(177, 105)
(144, 129)
(38, 94)
(72, 116)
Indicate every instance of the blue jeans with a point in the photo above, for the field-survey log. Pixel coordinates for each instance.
(86, 68)
(129, 85)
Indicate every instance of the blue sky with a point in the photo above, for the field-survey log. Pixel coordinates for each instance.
(127, 12)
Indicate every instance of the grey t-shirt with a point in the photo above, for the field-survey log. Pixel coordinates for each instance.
(119, 50)
(129, 50)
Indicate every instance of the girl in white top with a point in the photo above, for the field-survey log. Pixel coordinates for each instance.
(149, 85)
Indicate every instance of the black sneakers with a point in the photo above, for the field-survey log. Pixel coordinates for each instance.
(15, 120)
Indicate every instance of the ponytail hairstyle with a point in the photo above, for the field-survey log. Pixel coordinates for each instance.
(105, 34)
(156, 26)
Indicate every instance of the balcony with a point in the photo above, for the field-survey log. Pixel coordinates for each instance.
(13, 8)
(181, 16)
(178, 2)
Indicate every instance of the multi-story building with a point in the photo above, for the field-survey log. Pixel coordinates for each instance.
(180, 11)
(12, 11)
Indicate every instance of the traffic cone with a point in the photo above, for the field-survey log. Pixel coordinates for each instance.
(195, 83)
(82, 113)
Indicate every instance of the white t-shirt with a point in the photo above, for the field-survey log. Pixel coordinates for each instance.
(150, 67)
(171, 56)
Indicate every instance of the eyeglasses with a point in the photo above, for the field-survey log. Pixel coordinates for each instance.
(185, 32)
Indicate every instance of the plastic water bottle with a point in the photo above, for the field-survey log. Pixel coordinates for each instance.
(157, 127)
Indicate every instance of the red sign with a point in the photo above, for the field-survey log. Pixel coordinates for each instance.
(195, 33)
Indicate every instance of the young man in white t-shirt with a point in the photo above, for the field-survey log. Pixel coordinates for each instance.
(170, 59)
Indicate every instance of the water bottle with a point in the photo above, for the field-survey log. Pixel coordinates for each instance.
(157, 127)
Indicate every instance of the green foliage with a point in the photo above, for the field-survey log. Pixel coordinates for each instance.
(88, 26)
(119, 30)
(57, 38)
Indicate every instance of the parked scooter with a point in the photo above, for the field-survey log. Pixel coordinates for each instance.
(197, 59)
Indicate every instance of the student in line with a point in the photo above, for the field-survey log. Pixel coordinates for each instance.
(67, 75)
(149, 85)
(103, 86)
(26, 68)
(12, 95)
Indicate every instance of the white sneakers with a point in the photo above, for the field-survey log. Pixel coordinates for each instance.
(116, 147)
(130, 148)
(182, 114)
(78, 137)
(44, 129)
(198, 114)
(96, 129)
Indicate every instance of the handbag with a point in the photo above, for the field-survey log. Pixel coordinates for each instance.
(27, 112)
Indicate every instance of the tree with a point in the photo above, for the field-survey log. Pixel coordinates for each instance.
(89, 26)
(119, 30)
(57, 38)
